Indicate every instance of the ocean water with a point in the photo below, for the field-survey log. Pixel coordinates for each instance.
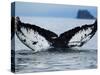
(55, 59)
(69, 59)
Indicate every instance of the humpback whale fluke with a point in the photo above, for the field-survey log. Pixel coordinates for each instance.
(37, 38)
(12, 27)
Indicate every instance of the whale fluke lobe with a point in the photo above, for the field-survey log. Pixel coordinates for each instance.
(12, 27)
(77, 36)
(37, 38)
(80, 35)
(14, 21)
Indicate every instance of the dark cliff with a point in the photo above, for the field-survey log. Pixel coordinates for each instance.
(84, 14)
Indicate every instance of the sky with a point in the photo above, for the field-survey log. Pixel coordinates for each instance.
(50, 10)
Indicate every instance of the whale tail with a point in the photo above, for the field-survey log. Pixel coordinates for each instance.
(82, 35)
(37, 38)
(15, 22)
(12, 26)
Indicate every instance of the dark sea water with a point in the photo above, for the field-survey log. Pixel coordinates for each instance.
(55, 60)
